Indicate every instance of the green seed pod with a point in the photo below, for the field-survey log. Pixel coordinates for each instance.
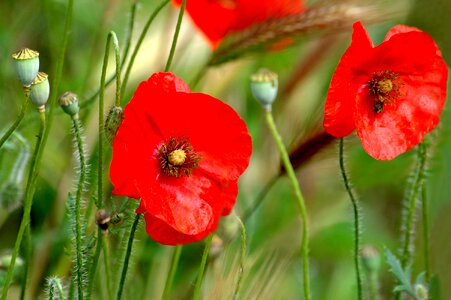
(112, 122)
(264, 87)
(26, 64)
(40, 90)
(69, 103)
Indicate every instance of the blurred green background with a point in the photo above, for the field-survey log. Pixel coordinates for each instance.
(273, 269)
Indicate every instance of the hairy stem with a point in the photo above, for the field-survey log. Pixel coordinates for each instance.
(127, 256)
(299, 199)
(357, 217)
(425, 211)
(80, 187)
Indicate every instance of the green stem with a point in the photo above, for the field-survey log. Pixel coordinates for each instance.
(16, 123)
(54, 283)
(425, 211)
(80, 187)
(412, 206)
(127, 256)
(92, 271)
(203, 263)
(138, 44)
(172, 271)
(128, 40)
(373, 286)
(106, 261)
(175, 38)
(242, 257)
(299, 199)
(27, 248)
(28, 196)
(356, 210)
(411, 201)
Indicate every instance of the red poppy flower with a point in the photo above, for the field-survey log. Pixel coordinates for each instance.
(217, 18)
(181, 153)
(391, 94)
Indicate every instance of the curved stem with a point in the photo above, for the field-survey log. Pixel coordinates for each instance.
(172, 271)
(80, 187)
(299, 199)
(138, 44)
(28, 196)
(356, 210)
(16, 123)
(425, 211)
(203, 263)
(175, 38)
(27, 250)
(242, 257)
(127, 256)
(54, 283)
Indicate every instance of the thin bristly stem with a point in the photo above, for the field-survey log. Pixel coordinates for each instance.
(242, 258)
(127, 256)
(412, 205)
(356, 210)
(138, 44)
(55, 288)
(299, 198)
(16, 123)
(80, 187)
(175, 38)
(203, 263)
(425, 211)
(411, 201)
(28, 196)
(172, 271)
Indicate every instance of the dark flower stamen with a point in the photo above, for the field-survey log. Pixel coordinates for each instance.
(383, 85)
(177, 157)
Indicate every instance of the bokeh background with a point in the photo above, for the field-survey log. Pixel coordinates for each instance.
(273, 269)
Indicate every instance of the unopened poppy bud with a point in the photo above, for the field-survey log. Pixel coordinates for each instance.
(103, 219)
(421, 292)
(371, 259)
(40, 90)
(264, 87)
(26, 64)
(112, 122)
(69, 103)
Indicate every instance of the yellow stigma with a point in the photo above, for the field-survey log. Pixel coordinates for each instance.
(385, 86)
(177, 157)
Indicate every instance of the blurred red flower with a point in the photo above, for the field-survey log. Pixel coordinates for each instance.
(391, 94)
(181, 153)
(217, 18)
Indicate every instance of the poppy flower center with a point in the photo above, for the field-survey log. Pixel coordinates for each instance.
(177, 157)
(384, 87)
